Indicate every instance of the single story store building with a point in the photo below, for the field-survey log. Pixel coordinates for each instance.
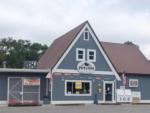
(79, 68)
(84, 69)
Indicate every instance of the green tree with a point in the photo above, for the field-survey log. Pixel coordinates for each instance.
(15, 52)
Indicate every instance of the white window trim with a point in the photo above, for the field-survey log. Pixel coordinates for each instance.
(134, 80)
(88, 35)
(80, 49)
(66, 94)
(89, 50)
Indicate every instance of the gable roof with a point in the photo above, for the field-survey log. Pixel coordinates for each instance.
(124, 57)
(58, 47)
(127, 58)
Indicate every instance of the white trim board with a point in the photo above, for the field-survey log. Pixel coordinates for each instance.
(3, 103)
(97, 43)
(73, 102)
(76, 71)
(51, 80)
(67, 51)
(24, 70)
(144, 101)
(104, 54)
(107, 102)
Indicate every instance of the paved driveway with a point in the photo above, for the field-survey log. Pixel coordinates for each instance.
(126, 108)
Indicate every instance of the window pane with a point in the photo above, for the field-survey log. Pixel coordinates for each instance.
(87, 87)
(86, 35)
(80, 56)
(91, 57)
(80, 52)
(69, 87)
(91, 53)
(74, 90)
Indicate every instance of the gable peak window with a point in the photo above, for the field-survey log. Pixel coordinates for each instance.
(86, 35)
(80, 54)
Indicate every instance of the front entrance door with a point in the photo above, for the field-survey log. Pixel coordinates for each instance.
(109, 91)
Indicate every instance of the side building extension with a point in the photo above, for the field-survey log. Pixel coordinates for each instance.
(22, 86)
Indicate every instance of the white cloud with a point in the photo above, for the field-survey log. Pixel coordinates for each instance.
(146, 50)
(44, 20)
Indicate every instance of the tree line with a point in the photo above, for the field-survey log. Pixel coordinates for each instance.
(14, 52)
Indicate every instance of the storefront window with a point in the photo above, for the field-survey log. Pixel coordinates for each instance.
(78, 87)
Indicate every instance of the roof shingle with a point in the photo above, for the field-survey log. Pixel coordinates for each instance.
(58, 47)
(125, 58)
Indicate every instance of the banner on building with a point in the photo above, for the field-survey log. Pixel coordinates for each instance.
(31, 81)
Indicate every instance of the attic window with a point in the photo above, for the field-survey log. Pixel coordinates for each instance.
(86, 35)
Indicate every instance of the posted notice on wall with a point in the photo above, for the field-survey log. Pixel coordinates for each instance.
(124, 95)
(136, 96)
(78, 85)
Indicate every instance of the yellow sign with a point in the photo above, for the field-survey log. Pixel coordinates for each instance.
(78, 85)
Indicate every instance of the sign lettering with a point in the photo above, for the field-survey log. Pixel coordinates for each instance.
(86, 67)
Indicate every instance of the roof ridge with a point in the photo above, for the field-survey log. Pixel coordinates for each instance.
(80, 25)
(63, 42)
(117, 43)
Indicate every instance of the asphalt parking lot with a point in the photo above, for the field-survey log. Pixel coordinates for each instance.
(125, 108)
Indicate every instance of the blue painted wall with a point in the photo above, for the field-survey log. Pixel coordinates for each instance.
(70, 62)
(144, 85)
(59, 86)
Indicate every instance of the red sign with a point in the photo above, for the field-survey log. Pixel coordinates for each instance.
(31, 81)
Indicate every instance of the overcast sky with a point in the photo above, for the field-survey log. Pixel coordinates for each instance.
(44, 20)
